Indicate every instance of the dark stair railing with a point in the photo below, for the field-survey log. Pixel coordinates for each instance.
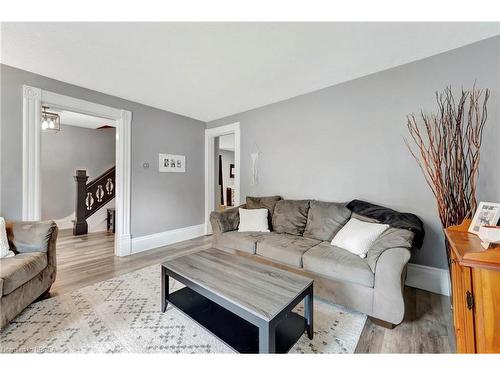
(90, 197)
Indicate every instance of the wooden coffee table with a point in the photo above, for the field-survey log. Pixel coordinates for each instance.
(246, 304)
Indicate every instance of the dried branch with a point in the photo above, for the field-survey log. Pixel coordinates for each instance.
(446, 148)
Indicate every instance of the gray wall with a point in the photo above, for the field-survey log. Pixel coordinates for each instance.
(63, 153)
(160, 201)
(346, 141)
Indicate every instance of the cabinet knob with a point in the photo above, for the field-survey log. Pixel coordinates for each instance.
(469, 299)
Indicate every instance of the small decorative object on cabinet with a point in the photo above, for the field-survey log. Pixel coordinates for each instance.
(475, 279)
(489, 234)
(487, 213)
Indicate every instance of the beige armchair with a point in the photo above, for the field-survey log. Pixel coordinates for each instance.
(32, 271)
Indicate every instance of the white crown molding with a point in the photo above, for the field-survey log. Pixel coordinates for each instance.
(436, 280)
(160, 239)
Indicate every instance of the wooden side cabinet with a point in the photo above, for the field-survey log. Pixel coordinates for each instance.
(475, 279)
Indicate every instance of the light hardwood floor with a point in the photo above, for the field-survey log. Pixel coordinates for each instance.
(88, 259)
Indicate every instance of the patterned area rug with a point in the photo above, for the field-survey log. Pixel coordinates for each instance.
(122, 315)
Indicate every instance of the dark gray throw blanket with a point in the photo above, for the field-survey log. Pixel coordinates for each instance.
(393, 218)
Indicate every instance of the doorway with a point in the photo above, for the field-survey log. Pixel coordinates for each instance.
(222, 169)
(225, 190)
(33, 100)
(77, 145)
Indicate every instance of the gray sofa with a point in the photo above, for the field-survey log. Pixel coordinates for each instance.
(31, 272)
(299, 241)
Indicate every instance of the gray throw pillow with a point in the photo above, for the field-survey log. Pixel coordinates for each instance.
(264, 202)
(325, 219)
(390, 238)
(290, 216)
(31, 236)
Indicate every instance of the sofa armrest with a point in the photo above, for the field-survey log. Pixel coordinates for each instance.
(390, 274)
(33, 236)
(226, 220)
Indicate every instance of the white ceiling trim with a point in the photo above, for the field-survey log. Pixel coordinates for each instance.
(81, 120)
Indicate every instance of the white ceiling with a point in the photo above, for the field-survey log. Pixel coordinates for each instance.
(81, 120)
(226, 142)
(211, 70)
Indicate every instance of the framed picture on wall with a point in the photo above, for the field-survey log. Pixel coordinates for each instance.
(171, 163)
(231, 170)
(487, 213)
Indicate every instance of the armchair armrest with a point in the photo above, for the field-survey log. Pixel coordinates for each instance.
(390, 274)
(226, 220)
(33, 236)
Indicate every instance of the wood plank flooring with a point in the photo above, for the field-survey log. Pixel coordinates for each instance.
(88, 259)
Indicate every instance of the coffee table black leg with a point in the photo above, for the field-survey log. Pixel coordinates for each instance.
(309, 312)
(267, 338)
(164, 289)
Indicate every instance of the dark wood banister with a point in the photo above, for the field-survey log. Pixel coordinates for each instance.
(90, 197)
(97, 179)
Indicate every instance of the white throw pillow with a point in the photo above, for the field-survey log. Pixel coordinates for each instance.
(4, 242)
(254, 220)
(358, 236)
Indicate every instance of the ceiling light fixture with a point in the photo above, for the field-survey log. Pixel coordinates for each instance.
(50, 121)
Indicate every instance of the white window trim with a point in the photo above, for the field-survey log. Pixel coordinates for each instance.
(210, 135)
(33, 98)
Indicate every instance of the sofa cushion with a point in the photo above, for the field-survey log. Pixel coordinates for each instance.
(234, 240)
(264, 202)
(4, 242)
(325, 219)
(226, 220)
(290, 216)
(395, 219)
(17, 270)
(392, 237)
(254, 220)
(30, 236)
(285, 248)
(336, 263)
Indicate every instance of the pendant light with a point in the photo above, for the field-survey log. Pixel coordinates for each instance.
(50, 121)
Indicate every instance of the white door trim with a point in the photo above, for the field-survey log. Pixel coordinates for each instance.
(210, 135)
(33, 98)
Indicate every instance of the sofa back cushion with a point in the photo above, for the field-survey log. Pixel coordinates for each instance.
(395, 219)
(30, 236)
(264, 202)
(290, 216)
(325, 219)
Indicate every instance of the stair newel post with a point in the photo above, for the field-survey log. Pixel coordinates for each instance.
(80, 224)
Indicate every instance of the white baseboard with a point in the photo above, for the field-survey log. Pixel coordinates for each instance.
(168, 237)
(123, 245)
(433, 279)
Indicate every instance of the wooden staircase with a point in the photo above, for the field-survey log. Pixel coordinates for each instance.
(90, 197)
